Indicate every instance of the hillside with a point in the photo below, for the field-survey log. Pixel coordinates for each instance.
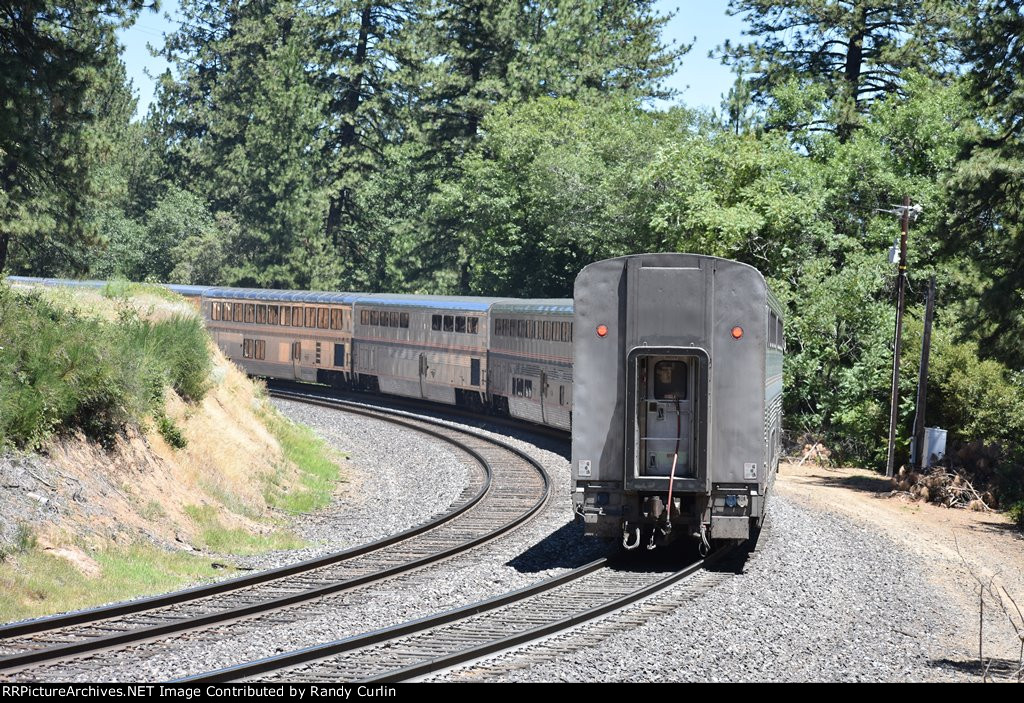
(135, 457)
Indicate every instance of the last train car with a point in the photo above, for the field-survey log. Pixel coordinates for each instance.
(677, 398)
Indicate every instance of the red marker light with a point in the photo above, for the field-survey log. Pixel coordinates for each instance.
(737, 332)
(602, 330)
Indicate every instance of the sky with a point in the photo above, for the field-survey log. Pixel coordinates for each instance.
(701, 81)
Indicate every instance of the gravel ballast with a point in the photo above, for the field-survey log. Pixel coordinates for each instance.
(821, 599)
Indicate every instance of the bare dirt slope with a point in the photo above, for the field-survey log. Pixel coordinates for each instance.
(957, 547)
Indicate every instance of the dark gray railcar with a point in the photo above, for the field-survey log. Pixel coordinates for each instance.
(677, 391)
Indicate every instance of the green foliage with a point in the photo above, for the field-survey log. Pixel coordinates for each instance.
(855, 52)
(60, 371)
(58, 62)
(554, 185)
(1016, 513)
(170, 432)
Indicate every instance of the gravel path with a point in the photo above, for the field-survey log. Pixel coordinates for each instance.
(822, 599)
(552, 543)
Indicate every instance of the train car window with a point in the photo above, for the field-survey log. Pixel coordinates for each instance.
(339, 354)
(261, 349)
(497, 327)
(472, 324)
(322, 318)
(517, 387)
(460, 324)
(273, 315)
(335, 318)
(395, 319)
(403, 320)
(570, 333)
(286, 315)
(236, 309)
(435, 323)
(528, 388)
(565, 332)
(247, 348)
(670, 380)
(449, 323)
(556, 332)
(250, 312)
(214, 311)
(561, 395)
(374, 317)
(261, 314)
(545, 330)
(225, 311)
(532, 332)
(296, 351)
(310, 316)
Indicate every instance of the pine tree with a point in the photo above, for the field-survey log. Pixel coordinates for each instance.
(53, 55)
(858, 50)
(987, 188)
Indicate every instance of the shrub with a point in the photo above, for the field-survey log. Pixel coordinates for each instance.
(60, 371)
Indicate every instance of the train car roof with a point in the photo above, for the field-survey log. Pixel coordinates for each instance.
(285, 296)
(432, 302)
(535, 306)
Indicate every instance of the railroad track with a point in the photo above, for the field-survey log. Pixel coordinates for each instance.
(421, 647)
(508, 488)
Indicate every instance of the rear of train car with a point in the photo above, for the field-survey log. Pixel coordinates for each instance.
(678, 396)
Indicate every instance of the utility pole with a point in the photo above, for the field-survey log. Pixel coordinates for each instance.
(922, 378)
(901, 285)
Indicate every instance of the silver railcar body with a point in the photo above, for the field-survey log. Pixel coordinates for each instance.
(431, 347)
(295, 335)
(531, 359)
(678, 391)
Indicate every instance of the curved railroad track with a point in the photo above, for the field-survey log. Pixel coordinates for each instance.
(431, 644)
(508, 488)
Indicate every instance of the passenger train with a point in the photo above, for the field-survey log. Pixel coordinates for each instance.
(675, 407)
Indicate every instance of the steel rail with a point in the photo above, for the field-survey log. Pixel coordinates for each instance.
(92, 644)
(393, 636)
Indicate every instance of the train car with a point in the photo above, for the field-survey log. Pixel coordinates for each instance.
(296, 335)
(431, 347)
(531, 360)
(677, 395)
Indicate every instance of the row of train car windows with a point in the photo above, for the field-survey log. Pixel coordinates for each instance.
(284, 315)
(384, 318)
(533, 329)
(455, 323)
(776, 339)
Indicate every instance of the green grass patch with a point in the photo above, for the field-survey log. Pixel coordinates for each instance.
(36, 583)
(61, 370)
(318, 466)
(216, 537)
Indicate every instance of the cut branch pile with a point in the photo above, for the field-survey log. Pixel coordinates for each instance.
(944, 487)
